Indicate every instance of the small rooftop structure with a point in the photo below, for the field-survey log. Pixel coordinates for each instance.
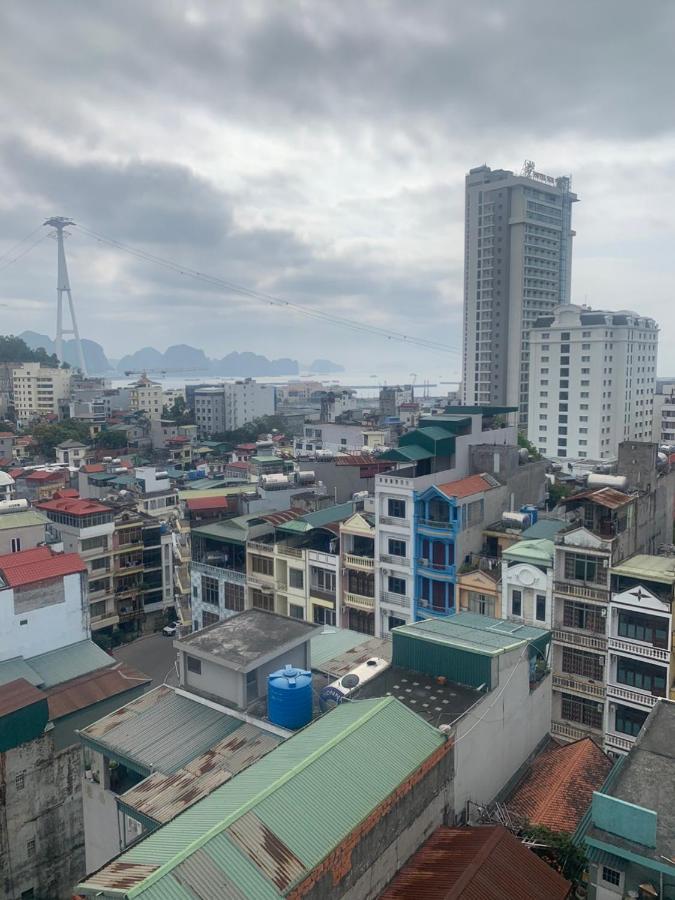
(74, 506)
(39, 564)
(557, 787)
(607, 497)
(466, 487)
(485, 862)
(543, 528)
(247, 639)
(539, 552)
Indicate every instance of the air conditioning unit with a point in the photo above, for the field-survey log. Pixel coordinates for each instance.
(423, 602)
(422, 562)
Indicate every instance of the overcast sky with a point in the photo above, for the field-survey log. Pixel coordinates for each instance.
(317, 150)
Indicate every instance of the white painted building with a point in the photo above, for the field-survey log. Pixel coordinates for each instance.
(38, 390)
(663, 426)
(593, 379)
(231, 405)
(43, 602)
(332, 437)
(527, 582)
(7, 487)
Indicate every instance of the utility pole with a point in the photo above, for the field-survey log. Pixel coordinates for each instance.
(63, 285)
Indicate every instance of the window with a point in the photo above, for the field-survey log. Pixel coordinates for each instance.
(296, 612)
(263, 565)
(641, 675)
(296, 578)
(482, 604)
(586, 712)
(611, 876)
(578, 662)
(629, 721)
(16, 545)
(208, 618)
(396, 548)
(210, 590)
(396, 508)
(517, 603)
(648, 629)
(260, 600)
(28, 895)
(585, 568)
(233, 598)
(394, 622)
(541, 607)
(20, 781)
(474, 513)
(195, 592)
(96, 610)
(323, 616)
(396, 585)
(194, 665)
(30, 847)
(93, 542)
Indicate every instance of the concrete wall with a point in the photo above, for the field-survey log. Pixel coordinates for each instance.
(340, 481)
(48, 627)
(100, 816)
(496, 737)
(29, 536)
(297, 657)
(47, 809)
(215, 682)
(367, 860)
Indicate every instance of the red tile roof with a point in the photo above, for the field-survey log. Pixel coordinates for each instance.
(465, 487)
(178, 439)
(66, 494)
(74, 506)
(246, 447)
(93, 687)
(40, 564)
(240, 464)
(482, 863)
(203, 503)
(559, 786)
(17, 694)
(58, 475)
(7, 434)
(15, 473)
(91, 468)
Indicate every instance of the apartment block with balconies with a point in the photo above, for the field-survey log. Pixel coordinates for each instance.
(639, 664)
(357, 560)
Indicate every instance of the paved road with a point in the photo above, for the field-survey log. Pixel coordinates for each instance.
(153, 655)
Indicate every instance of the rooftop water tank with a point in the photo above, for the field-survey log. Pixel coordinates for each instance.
(516, 520)
(531, 511)
(289, 697)
(597, 480)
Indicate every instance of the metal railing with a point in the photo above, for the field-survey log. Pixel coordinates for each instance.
(359, 601)
(259, 547)
(394, 560)
(321, 593)
(592, 641)
(562, 729)
(643, 650)
(318, 556)
(394, 520)
(572, 683)
(285, 550)
(392, 599)
(222, 574)
(354, 561)
(619, 692)
(440, 526)
(599, 595)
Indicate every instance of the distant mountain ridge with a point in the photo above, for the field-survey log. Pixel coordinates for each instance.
(180, 357)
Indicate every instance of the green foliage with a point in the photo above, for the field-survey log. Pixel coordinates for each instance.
(529, 446)
(14, 349)
(563, 854)
(250, 432)
(46, 437)
(179, 412)
(556, 492)
(111, 440)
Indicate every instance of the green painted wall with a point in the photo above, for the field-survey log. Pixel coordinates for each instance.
(462, 666)
(23, 725)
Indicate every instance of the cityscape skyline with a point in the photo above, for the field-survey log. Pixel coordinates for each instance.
(358, 211)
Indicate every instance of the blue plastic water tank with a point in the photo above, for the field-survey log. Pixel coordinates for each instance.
(289, 697)
(532, 511)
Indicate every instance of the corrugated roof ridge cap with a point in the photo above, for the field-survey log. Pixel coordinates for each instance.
(222, 826)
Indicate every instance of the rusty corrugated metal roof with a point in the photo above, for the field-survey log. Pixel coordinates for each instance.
(606, 496)
(17, 694)
(93, 687)
(485, 862)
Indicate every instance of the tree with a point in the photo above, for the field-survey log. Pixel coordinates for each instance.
(180, 412)
(46, 437)
(251, 431)
(557, 492)
(111, 440)
(529, 446)
(14, 349)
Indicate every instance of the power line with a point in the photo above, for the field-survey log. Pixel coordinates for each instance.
(19, 243)
(23, 252)
(264, 297)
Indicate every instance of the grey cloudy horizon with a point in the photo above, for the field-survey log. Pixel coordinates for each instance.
(317, 151)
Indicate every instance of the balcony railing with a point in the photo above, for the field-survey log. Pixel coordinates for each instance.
(354, 561)
(599, 595)
(437, 570)
(318, 556)
(285, 550)
(577, 639)
(645, 651)
(579, 685)
(569, 732)
(394, 520)
(436, 525)
(359, 601)
(391, 599)
(321, 593)
(394, 560)
(640, 698)
(259, 547)
(621, 742)
(223, 574)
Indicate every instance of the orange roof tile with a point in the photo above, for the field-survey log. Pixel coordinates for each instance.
(465, 487)
(559, 785)
(38, 564)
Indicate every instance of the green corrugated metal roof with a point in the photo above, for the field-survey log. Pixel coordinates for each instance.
(21, 519)
(265, 460)
(651, 568)
(235, 529)
(319, 518)
(330, 642)
(543, 529)
(69, 662)
(471, 631)
(161, 731)
(540, 552)
(310, 792)
(100, 476)
(411, 453)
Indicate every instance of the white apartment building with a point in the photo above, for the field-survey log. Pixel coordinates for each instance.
(146, 396)
(38, 390)
(517, 266)
(663, 425)
(335, 438)
(232, 405)
(593, 381)
(527, 582)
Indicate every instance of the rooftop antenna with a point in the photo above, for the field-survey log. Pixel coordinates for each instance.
(58, 223)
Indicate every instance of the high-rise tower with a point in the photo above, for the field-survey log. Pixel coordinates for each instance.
(63, 286)
(517, 266)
